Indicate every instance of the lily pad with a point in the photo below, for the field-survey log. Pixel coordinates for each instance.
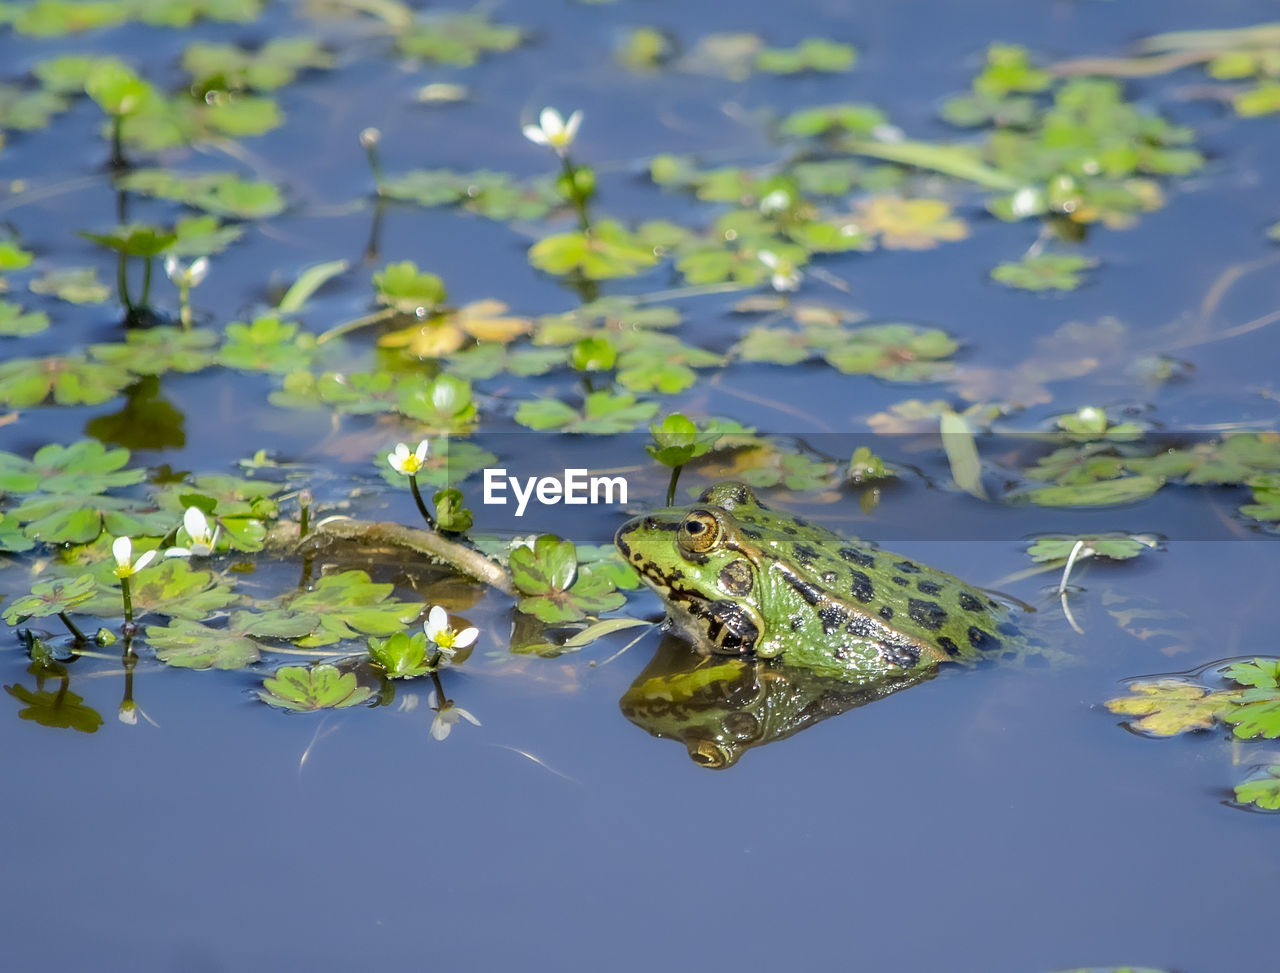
(602, 413)
(1048, 271)
(193, 645)
(1167, 707)
(304, 689)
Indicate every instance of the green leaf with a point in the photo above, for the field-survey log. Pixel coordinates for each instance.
(1115, 546)
(48, 598)
(28, 110)
(443, 405)
(608, 250)
(266, 344)
(201, 236)
(408, 290)
(1048, 271)
(860, 119)
(402, 656)
(134, 239)
(192, 645)
(1255, 713)
(1262, 789)
(70, 380)
(456, 38)
(227, 67)
(76, 285)
(348, 605)
(160, 349)
(219, 193)
(677, 440)
(962, 454)
(16, 323)
(812, 54)
(117, 89)
(549, 567)
(451, 513)
(172, 587)
(308, 282)
(866, 467)
(304, 689)
(897, 352)
(85, 467)
(1125, 489)
(603, 413)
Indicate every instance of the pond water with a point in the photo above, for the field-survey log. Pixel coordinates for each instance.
(992, 818)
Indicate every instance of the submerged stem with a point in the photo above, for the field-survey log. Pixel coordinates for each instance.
(71, 626)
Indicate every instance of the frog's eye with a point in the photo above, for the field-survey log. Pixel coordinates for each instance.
(699, 532)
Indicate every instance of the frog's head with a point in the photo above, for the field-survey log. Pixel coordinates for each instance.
(695, 559)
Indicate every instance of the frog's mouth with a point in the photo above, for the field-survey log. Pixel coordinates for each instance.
(722, 626)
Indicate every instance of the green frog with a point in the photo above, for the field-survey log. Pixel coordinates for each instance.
(738, 578)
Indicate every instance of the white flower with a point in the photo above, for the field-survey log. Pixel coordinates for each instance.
(554, 131)
(128, 713)
(186, 276)
(370, 137)
(447, 714)
(203, 541)
(122, 549)
(785, 275)
(402, 461)
(447, 640)
(775, 201)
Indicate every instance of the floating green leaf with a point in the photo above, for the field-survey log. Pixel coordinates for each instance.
(304, 689)
(17, 323)
(160, 349)
(1046, 271)
(219, 193)
(1125, 489)
(602, 413)
(192, 645)
(607, 250)
(811, 54)
(69, 380)
(403, 656)
(407, 289)
(547, 575)
(348, 605)
(1262, 789)
(48, 598)
(266, 344)
(456, 38)
(76, 285)
(172, 587)
(898, 352)
(226, 67)
(1115, 546)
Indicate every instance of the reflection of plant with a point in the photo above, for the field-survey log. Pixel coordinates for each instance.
(62, 709)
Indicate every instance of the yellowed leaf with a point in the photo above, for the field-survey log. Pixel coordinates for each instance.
(1167, 707)
(909, 224)
(486, 321)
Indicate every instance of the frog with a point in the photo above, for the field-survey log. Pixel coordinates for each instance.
(739, 578)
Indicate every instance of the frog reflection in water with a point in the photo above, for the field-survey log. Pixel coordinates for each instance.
(740, 579)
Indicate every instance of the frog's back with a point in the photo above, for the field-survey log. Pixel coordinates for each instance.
(864, 593)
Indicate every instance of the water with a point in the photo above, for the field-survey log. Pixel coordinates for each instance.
(990, 820)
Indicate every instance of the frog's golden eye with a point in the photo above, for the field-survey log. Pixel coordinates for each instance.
(699, 532)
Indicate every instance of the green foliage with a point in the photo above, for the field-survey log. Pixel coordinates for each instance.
(171, 587)
(811, 54)
(1261, 789)
(193, 645)
(677, 440)
(16, 323)
(48, 598)
(404, 656)
(28, 110)
(408, 290)
(602, 413)
(856, 118)
(68, 380)
(898, 352)
(1046, 271)
(348, 605)
(553, 588)
(1167, 707)
(866, 467)
(457, 38)
(218, 193)
(160, 349)
(134, 240)
(75, 285)
(12, 256)
(607, 250)
(452, 514)
(266, 344)
(117, 89)
(304, 689)
(226, 67)
(1124, 489)
(1090, 423)
(1266, 497)
(1115, 546)
(494, 195)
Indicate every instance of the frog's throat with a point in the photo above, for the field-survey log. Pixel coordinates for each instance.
(895, 647)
